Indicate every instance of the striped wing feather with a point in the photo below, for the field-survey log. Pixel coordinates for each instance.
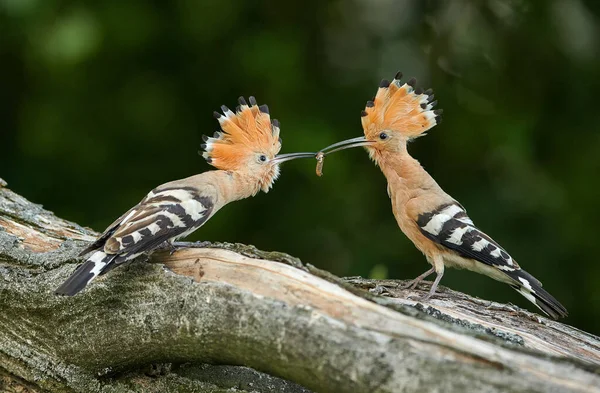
(450, 226)
(99, 243)
(163, 215)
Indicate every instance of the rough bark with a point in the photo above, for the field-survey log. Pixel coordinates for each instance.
(225, 317)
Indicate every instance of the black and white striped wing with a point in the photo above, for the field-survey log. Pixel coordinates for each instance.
(164, 215)
(99, 243)
(450, 226)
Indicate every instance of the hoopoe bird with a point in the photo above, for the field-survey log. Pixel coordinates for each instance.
(436, 223)
(245, 155)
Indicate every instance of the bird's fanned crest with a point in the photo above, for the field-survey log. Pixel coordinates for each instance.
(400, 107)
(245, 132)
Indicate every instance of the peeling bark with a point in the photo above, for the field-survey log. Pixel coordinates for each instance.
(205, 318)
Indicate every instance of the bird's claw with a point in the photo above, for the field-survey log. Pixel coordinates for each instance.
(168, 246)
(420, 298)
(412, 284)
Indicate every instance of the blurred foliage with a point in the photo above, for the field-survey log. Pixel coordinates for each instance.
(102, 101)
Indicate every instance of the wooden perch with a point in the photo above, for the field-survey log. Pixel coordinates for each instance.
(196, 319)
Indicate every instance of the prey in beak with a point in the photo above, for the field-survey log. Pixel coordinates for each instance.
(347, 144)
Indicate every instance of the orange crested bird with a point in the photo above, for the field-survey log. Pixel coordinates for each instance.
(436, 223)
(245, 155)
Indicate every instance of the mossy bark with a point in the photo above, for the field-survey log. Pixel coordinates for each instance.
(206, 318)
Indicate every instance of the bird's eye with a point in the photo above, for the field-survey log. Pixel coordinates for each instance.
(383, 136)
(263, 158)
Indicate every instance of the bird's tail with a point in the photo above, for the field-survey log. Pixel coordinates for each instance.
(85, 273)
(532, 290)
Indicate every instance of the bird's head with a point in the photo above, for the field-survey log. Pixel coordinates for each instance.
(248, 143)
(398, 113)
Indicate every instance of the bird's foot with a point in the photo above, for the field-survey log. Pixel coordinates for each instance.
(433, 288)
(202, 244)
(422, 298)
(412, 284)
(168, 246)
(428, 296)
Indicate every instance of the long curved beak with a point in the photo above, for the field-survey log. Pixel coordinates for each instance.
(347, 144)
(291, 156)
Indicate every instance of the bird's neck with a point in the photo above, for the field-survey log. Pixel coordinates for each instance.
(234, 186)
(406, 177)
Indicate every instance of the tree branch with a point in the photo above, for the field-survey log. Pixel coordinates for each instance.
(235, 305)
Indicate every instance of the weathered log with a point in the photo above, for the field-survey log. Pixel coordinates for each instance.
(192, 320)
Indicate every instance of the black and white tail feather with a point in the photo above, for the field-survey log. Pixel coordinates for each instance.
(450, 226)
(85, 273)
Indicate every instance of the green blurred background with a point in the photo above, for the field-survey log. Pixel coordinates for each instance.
(102, 101)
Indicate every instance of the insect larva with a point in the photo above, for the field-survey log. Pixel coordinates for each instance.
(320, 158)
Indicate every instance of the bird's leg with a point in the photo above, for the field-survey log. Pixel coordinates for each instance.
(433, 286)
(167, 245)
(412, 284)
(437, 263)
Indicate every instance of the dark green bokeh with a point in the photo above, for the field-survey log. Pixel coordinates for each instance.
(102, 101)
